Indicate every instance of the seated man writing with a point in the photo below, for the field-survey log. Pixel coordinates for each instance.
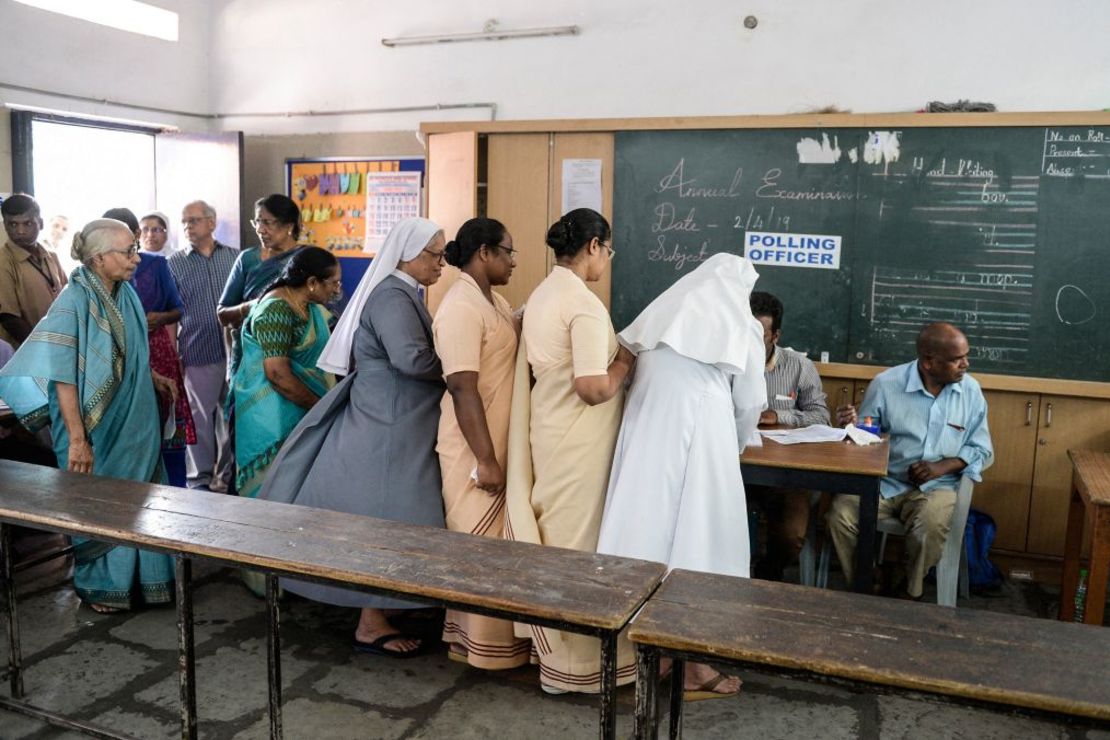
(794, 399)
(936, 417)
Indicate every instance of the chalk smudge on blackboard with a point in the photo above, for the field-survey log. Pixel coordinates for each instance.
(811, 151)
(882, 147)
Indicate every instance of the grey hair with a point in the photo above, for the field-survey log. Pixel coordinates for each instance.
(209, 211)
(96, 238)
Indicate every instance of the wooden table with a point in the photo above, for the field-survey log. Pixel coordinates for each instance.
(977, 656)
(563, 589)
(836, 467)
(1090, 500)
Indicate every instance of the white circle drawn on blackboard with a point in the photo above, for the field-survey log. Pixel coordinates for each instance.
(1083, 294)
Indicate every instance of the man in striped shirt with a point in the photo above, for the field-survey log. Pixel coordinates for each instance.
(795, 398)
(201, 270)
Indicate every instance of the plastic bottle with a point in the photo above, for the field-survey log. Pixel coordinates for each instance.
(1081, 596)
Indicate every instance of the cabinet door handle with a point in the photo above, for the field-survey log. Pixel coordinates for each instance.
(1048, 415)
(1029, 413)
(843, 395)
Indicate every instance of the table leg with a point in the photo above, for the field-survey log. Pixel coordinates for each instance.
(1073, 542)
(1100, 567)
(609, 686)
(186, 655)
(273, 654)
(646, 725)
(865, 543)
(678, 675)
(7, 572)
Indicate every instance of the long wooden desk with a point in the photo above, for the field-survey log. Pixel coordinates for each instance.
(1090, 501)
(564, 589)
(974, 655)
(836, 467)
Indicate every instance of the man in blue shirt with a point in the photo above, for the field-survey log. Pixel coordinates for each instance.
(936, 417)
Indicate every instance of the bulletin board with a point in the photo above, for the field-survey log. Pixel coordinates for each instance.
(348, 204)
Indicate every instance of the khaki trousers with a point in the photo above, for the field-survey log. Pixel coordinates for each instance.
(927, 517)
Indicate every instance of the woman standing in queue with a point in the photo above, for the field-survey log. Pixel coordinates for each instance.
(85, 369)
(563, 430)
(368, 446)
(476, 340)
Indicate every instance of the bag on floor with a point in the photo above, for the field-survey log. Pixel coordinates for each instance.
(979, 534)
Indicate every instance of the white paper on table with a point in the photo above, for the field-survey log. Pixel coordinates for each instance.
(815, 433)
(754, 440)
(862, 437)
(581, 184)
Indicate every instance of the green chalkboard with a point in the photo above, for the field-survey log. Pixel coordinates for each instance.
(1003, 231)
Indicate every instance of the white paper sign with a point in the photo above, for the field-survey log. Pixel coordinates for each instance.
(390, 197)
(581, 184)
(793, 250)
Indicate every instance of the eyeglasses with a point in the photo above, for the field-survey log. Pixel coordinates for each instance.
(440, 257)
(152, 230)
(507, 250)
(194, 220)
(269, 223)
(129, 252)
(608, 249)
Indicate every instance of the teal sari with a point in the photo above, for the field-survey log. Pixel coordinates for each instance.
(98, 342)
(264, 417)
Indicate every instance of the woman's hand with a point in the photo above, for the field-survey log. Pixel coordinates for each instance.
(80, 456)
(491, 478)
(163, 385)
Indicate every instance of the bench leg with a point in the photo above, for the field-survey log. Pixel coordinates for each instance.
(647, 679)
(1073, 543)
(186, 654)
(678, 677)
(7, 572)
(273, 654)
(608, 686)
(1100, 567)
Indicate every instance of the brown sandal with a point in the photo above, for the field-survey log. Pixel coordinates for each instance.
(706, 690)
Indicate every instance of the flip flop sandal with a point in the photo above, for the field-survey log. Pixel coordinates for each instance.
(706, 690)
(378, 646)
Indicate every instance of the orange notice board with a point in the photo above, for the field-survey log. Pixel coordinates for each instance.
(348, 204)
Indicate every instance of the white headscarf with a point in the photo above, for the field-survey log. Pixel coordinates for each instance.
(405, 243)
(705, 316)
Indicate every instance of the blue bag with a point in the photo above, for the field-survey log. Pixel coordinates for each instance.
(978, 537)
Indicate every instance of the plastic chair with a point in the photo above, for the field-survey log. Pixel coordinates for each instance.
(951, 569)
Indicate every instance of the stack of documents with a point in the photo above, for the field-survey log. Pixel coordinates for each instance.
(820, 433)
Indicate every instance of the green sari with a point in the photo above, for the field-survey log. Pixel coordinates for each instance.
(264, 417)
(97, 342)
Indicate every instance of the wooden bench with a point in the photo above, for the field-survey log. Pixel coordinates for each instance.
(552, 587)
(974, 655)
(1090, 501)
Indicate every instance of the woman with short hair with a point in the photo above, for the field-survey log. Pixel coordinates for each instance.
(85, 369)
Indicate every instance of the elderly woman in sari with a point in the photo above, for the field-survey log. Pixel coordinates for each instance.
(563, 430)
(86, 370)
(476, 339)
(387, 404)
(157, 292)
(277, 222)
(675, 493)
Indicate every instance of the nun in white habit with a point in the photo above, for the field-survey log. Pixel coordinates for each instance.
(368, 446)
(675, 494)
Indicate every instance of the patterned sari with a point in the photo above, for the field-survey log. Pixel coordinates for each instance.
(264, 417)
(97, 342)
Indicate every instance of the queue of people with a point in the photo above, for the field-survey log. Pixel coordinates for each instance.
(541, 426)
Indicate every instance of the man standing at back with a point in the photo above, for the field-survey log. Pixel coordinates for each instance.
(201, 270)
(30, 275)
(795, 398)
(936, 416)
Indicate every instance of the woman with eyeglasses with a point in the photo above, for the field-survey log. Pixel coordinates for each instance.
(157, 291)
(562, 431)
(277, 222)
(368, 446)
(476, 340)
(86, 370)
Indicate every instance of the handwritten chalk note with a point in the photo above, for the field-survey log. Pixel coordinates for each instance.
(581, 184)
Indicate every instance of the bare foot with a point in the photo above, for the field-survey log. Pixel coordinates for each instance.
(705, 680)
(373, 625)
(104, 608)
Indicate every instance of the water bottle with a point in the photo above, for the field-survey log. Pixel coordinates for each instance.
(1081, 596)
(869, 424)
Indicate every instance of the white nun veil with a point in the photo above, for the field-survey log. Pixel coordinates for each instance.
(404, 243)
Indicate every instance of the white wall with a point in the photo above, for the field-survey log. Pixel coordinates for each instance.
(639, 58)
(46, 50)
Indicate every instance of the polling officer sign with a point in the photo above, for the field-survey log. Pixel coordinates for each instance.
(793, 250)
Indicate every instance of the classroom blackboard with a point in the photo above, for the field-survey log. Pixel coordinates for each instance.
(869, 234)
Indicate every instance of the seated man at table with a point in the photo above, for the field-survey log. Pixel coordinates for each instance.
(795, 398)
(936, 417)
